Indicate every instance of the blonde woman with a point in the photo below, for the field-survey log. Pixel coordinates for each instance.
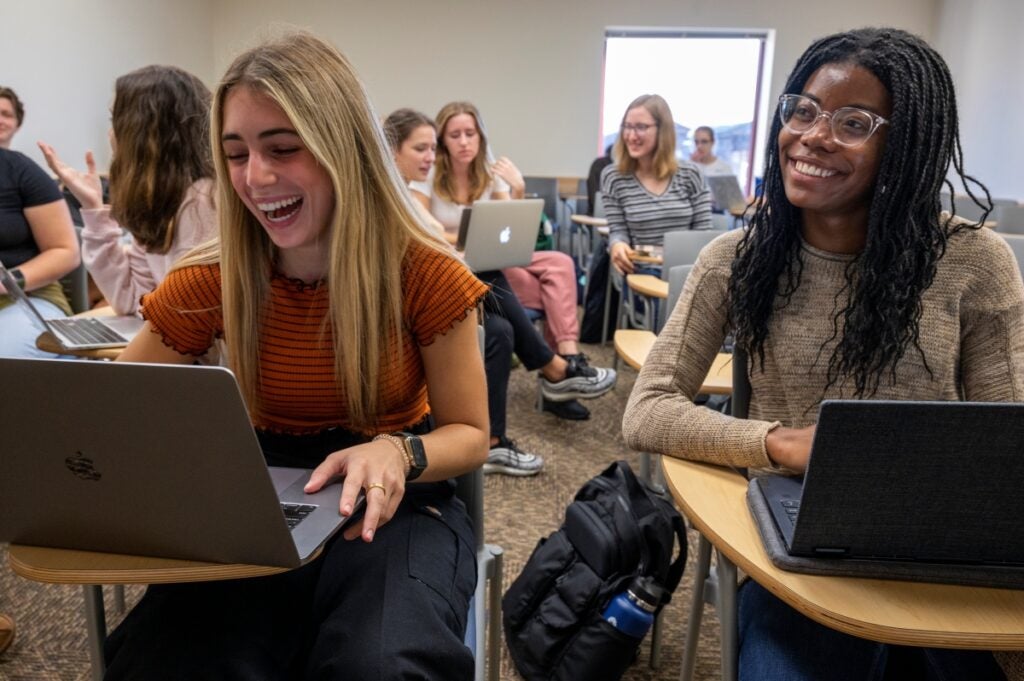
(647, 192)
(340, 315)
(463, 174)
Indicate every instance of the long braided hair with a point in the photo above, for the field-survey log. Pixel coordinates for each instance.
(905, 235)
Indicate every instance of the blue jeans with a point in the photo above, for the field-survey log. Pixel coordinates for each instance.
(778, 643)
(18, 332)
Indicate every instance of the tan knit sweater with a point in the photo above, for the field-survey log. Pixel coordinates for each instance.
(972, 334)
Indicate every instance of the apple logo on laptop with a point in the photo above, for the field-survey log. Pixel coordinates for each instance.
(505, 234)
(82, 466)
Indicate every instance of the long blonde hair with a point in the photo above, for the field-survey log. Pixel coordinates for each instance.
(370, 229)
(664, 163)
(479, 173)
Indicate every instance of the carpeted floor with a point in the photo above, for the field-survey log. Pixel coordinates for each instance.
(51, 642)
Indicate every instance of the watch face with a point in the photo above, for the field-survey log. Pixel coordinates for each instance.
(414, 445)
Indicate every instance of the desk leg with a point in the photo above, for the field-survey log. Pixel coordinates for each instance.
(700, 577)
(728, 616)
(96, 623)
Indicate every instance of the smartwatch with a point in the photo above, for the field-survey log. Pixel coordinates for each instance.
(19, 278)
(417, 455)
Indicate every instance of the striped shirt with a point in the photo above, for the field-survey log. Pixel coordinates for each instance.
(299, 393)
(636, 216)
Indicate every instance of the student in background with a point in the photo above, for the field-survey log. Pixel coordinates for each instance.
(848, 284)
(647, 192)
(160, 184)
(464, 173)
(37, 240)
(341, 315)
(413, 140)
(704, 153)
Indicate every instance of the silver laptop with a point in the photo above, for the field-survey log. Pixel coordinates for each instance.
(149, 460)
(76, 333)
(494, 235)
(726, 194)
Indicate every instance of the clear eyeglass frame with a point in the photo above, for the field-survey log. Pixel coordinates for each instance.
(638, 128)
(844, 136)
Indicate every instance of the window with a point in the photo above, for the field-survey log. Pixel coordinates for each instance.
(708, 77)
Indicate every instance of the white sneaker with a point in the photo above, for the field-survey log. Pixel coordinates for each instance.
(505, 457)
(581, 382)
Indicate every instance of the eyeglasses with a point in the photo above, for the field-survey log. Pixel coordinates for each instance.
(851, 127)
(638, 128)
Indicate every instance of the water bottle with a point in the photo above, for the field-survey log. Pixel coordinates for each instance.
(632, 611)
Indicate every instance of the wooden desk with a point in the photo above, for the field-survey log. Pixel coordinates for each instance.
(588, 220)
(648, 285)
(906, 613)
(48, 343)
(90, 569)
(633, 346)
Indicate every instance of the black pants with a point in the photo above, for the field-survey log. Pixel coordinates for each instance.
(392, 609)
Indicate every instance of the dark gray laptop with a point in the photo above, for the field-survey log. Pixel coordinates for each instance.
(151, 460)
(726, 194)
(76, 333)
(925, 484)
(494, 235)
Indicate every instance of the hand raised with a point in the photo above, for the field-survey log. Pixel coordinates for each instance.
(507, 170)
(86, 186)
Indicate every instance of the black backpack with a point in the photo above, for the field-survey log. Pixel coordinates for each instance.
(615, 529)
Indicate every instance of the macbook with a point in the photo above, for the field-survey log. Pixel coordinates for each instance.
(149, 460)
(928, 483)
(494, 235)
(76, 333)
(726, 194)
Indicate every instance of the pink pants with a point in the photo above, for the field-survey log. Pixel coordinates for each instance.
(548, 283)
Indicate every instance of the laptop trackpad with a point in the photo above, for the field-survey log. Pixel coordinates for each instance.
(283, 478)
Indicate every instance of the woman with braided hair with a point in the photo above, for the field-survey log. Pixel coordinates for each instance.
(849, 284)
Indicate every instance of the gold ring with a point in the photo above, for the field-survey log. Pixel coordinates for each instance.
(377, 485)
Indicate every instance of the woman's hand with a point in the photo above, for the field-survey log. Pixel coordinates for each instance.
(790, 447)
(378, 467)
(506, 170)
(621, 255)
(86, 186)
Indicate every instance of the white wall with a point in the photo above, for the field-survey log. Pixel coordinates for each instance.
(62, 57)
(533, 67)
(983, 41)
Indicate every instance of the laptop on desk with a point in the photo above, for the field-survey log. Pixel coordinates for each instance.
(929, 491)
(149, 460)
(726, 194)
(76, 333)
(494, 235)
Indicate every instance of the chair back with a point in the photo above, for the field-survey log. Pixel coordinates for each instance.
(599, 205)
(1009, 218)
(721, 222)
(676, 280)
(682, 247)
(76, 282)
(544, 188)
(740, 383)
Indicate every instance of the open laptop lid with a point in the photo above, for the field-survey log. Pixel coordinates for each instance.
(924, 481)
(726, 193)
(21, 298)
(500, 234)
(148, 459)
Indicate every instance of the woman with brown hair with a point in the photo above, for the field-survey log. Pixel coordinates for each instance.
(161, 189)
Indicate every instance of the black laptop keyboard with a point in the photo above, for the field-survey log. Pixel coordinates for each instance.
(792, 508)
(87, 331)
(296, 513)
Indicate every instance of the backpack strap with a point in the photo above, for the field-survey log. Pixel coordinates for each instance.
(675, 571)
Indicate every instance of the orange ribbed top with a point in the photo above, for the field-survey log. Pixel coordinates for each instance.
(298, 390)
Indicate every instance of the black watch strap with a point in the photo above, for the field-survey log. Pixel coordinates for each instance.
(417, 455)
(19, 277)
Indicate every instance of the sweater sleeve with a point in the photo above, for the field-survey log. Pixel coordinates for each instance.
(119, 269)
(660, 415)
(992, 324)
(618, 231)
(701, 201)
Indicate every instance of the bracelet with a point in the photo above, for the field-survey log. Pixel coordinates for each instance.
(397, 442)
(19, 277)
